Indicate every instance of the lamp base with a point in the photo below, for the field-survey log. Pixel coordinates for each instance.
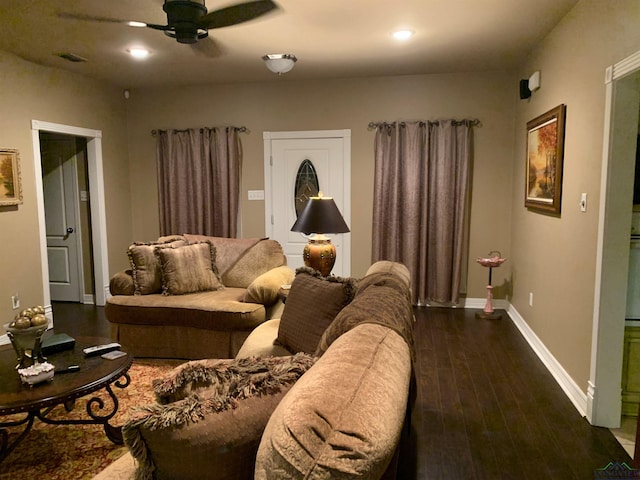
(320, 255)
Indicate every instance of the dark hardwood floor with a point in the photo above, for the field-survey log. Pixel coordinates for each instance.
(77, 319)
(486, 407)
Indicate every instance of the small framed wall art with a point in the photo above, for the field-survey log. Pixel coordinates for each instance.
(545, 155)
(10, 188)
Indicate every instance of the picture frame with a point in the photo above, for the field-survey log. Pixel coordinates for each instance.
(10, 186)
(544, 161)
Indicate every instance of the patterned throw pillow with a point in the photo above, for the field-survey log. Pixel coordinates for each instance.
(212, 412)
(145, 267)
(188, 269)
(312, 304)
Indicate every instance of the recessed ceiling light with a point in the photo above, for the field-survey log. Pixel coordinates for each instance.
(138, 52)
(403, 34)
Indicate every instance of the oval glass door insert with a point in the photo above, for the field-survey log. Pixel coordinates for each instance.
(306, 185)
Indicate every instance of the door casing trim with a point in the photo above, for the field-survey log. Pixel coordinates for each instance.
(97, 204)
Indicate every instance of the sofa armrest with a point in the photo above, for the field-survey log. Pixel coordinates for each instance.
(262, 342)
(122, 283)
(264, 289)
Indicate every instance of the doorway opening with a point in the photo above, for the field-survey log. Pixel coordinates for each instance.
(622, 104)
(66, 191)
(96, 204)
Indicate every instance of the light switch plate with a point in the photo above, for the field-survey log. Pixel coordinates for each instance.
(256, 194)
(583, 202)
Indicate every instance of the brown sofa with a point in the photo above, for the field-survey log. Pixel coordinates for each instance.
(238, 293)
(253, 418)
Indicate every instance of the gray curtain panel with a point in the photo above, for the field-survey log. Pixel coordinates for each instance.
(421, 190)
(199, 172)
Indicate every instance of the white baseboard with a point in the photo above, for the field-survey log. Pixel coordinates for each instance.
(89, 299)
(570, 388)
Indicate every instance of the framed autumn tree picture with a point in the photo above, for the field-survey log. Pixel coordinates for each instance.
(10, 188)
(545, 152)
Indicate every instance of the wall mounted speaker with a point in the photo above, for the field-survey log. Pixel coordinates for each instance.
(524, 89)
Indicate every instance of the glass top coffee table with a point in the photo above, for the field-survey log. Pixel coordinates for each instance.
(37, 401)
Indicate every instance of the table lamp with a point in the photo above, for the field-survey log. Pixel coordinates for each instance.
(319, 216)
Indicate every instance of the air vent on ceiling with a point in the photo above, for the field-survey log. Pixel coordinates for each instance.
(72, 57)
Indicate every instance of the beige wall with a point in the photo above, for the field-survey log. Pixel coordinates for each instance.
(339, 104)
(31, 92)
(554, 257)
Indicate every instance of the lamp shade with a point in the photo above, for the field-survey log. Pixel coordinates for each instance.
(320, 215)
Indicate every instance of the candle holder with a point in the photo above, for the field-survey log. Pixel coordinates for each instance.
(491, 261)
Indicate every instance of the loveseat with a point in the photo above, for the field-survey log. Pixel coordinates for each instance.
(194, 296)
(335, 413)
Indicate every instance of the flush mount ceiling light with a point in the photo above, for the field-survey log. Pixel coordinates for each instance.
(403, 34)
(138, 52)
(280, 62)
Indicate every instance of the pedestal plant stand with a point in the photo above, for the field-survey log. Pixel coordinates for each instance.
(491, 261)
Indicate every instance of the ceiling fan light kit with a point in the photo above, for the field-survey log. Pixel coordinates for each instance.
(280, 62)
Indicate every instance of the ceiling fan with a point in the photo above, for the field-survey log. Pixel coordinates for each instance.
(188, 20)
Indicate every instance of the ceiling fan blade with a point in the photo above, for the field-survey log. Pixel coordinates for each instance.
(239, 13)
(208, 47)
(89, 18)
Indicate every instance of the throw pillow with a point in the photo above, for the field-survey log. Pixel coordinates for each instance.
(264, 289)
(188, 269)
(217, 412)
(312, 304)
(145, 268)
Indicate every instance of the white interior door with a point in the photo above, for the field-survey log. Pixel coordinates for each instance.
(330, 154)
(59, 179)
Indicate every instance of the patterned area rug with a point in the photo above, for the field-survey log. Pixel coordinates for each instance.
(65, 452)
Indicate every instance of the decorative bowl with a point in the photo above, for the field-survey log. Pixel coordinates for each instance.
(27, 343)
(37, 373)
(492, 260)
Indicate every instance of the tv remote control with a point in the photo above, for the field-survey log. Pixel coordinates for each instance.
(100, 349)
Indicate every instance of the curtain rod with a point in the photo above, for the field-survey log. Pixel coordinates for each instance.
(239, 129)
(473, 122)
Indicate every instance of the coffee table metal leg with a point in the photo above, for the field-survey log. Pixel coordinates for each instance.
(94, 406)
(5, 447)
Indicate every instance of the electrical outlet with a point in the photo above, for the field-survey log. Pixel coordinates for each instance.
(15, 301)
(531, 299)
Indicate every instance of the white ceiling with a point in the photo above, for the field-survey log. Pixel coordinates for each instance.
(331, 38)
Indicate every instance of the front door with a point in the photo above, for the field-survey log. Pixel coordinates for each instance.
(59, 180)
(328, 155)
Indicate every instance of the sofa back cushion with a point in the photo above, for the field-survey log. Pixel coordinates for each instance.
(382, 298)
(241, 260)
(312, 304)
(343, 418)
